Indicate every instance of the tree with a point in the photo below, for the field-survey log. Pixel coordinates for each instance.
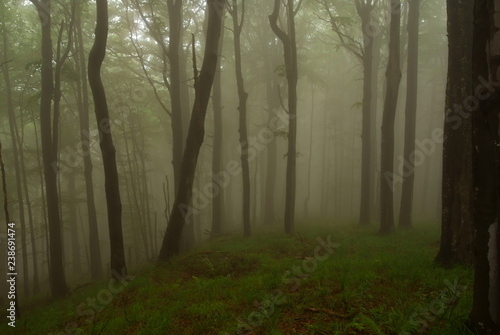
(57, 279)
(242, 108)
(364, 53)
(218, 198)
(84, 111)
(406, 209)
(288, 39)
(485, 314)
(113, 202)
(181, 210)
(393, 76)
(456, 244)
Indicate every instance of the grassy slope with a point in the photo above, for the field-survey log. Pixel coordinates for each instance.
(369, 285)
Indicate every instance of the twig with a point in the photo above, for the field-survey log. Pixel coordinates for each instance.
(5, 62)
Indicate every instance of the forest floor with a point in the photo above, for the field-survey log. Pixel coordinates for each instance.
(324, 280)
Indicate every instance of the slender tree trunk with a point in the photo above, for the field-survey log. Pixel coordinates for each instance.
(457, 192)
(291, 68)
(181, 211)
(393, 76)
(218, 198)
(112, 186)
(84, 111)
(174, 49)
(406, 209)
(56, 277)
(242, 108)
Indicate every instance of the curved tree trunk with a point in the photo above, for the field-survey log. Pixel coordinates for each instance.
(181, 211)
(113, 202)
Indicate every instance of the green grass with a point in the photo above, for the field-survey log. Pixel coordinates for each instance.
(368, 285)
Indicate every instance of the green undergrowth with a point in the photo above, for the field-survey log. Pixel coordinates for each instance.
(271, 284)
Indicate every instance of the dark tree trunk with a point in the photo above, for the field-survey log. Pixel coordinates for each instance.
(175, 35)
(291, 68)
(242, 108)
(181, 211)
(406, 209)
(57, 278)
(485, 314)
(393, 76)
(457, 191)
(113, 202)
(84, 111)
(218, 198)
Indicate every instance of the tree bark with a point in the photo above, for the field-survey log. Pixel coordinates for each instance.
(242, 108)
(406, 209)
(113, 202)
(456, 244)
(393, 76)
(181, 211)
(485, 314)
(57, 278)
(291, 68)
(218, 198)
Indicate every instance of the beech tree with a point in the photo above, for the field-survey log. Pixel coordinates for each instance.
(393, 76)
(57, 279)
(457, 192)
(113, 202)
(485, 314)
(181, 210)
(242, 108)
(288, 39)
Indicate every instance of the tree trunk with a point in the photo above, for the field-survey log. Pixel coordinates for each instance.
(57, 278)
(291, 68)
(181, 211)
(393, 76)
(457, 192)
(485, 314)
(84, 112)
(217, 200)
(114, 206)
(406, 209)
(175, 35)
(242, 108)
